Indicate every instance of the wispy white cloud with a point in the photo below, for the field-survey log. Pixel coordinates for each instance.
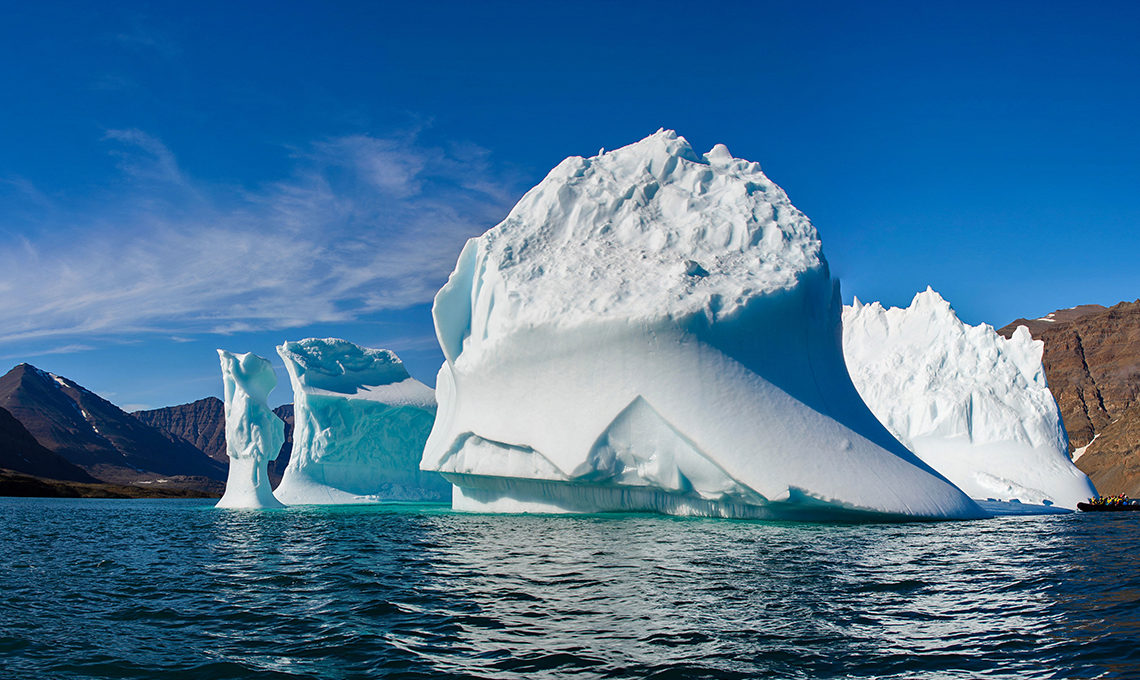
(62, 349)
(25, 189)
(406, 343)
(360, 225)
(145, 157)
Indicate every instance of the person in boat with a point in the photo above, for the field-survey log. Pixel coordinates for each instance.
(1119, 502)
(1118, 499)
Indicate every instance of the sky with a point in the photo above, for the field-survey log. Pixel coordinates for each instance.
(178, 177)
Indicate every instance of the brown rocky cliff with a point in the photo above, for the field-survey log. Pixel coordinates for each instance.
(201, 423)
(277, 467)
(1092, 363)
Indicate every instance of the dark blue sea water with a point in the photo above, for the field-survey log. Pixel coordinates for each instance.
(176, 589)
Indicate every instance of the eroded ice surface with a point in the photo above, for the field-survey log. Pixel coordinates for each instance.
(972, 404)
(254, 433)
(655, 329)
(360, 423)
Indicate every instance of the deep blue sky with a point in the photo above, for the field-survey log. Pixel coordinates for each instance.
(175, 178)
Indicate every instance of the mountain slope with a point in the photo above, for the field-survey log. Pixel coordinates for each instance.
(201, 423)
(20, 452)
(98, 436)
(1092, 363)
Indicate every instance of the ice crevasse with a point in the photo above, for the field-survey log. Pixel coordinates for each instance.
(656, 329)
(970, 403)
(360, 424)
(254, 433)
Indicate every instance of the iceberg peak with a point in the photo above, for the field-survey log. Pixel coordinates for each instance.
(609, 237)
(933, 304)
(719, 154)
(338, 365)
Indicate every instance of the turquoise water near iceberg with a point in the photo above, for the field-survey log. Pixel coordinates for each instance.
(177, 589)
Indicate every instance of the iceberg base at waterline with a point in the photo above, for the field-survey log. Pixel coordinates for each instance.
(1008, 471)
(1007, 508)
(247, 486)
(706, 437)
(499, 495)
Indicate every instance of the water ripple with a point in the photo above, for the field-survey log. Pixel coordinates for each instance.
(134, 589)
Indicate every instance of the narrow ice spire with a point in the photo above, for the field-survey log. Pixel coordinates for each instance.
(254, 433)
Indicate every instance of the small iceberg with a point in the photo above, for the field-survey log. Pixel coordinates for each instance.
(360, 424)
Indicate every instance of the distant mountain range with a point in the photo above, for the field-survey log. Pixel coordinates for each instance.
(1092, 363)
(202, 424)
(77, 433)
(53, 428)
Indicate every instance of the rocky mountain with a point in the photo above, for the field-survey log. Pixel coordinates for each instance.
(1092, 363)
(277, 467)
(202, 424)
(20, 452)
(1052, 319)
(99, 437)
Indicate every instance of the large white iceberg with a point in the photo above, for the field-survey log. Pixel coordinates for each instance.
(653, 329)
(359, 427)
(254, 434)
(972, 404)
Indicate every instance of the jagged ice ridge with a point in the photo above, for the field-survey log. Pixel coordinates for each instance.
(970, 403)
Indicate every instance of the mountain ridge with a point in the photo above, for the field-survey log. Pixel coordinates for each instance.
(92, 433)
(202, 424)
